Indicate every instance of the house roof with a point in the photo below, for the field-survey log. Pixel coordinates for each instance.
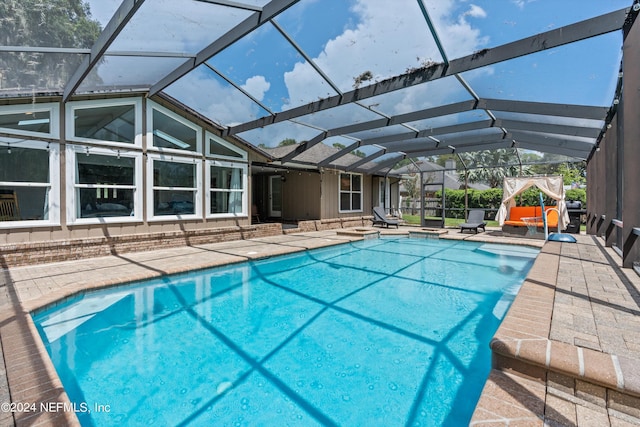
(428, 79)
(436, 174)
(321, 155)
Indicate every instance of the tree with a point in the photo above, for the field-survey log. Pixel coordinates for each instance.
(354, 152)
(47, 23)
(412, 186)
(287, 141)
(573, 173)
(491, 166)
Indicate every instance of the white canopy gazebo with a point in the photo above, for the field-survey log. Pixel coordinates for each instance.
(552, 186)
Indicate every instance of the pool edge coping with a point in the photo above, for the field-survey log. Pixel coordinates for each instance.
(523, 353)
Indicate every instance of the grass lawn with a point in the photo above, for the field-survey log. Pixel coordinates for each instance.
(453, 222)
(448, 222)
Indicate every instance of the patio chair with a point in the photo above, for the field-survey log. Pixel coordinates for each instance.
(9, 206)
(380, 218)
(474, 221)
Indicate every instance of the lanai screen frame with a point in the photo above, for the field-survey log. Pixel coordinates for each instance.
(384, 152)
(579, 138)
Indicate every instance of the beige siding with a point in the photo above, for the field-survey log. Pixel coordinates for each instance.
(330, 196)
(64, 232)
(301, 196)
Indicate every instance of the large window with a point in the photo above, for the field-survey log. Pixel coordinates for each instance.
(350, 192)
(175, 184)
(227, 183)
(29, 183)
(168, 131)
(30, 119)
(102, 185)
(221, 149)
(112, 122)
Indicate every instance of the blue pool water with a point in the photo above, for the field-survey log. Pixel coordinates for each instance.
(390, 331)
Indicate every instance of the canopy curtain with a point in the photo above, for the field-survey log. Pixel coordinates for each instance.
(235, 197)
(552, 186)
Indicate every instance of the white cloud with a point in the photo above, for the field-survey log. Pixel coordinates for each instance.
(257, 86)
(222, 104)
(387, 44)
(521, 3)
(384, 43)
(476, 12)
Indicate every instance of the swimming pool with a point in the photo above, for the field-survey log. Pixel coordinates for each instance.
(390, 331)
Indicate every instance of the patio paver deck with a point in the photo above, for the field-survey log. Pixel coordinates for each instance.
(592, 306)
(566, 354)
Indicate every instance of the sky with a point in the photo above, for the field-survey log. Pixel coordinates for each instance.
(346, 38)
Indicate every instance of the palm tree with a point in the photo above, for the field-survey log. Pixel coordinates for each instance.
(491, 166)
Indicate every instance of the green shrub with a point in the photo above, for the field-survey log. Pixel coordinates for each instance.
(492, 198)
(577, 194)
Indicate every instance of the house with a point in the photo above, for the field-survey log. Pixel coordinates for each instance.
(107, 167)
(310, 189)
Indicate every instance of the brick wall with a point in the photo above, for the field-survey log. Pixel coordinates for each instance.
(64, 250)
(17, 254)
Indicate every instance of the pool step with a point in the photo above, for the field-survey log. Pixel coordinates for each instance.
(513, 250)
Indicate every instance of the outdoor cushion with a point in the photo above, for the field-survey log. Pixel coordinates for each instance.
(518, 212)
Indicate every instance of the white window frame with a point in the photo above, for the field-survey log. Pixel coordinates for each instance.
(152, 157)
(150, 129)
(351, 192)
(54, 118)
(72, 152)
(209, 135)
(82, 105)
(245, 202)
(53, 185)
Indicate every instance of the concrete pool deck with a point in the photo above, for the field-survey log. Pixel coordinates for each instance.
(564, 354)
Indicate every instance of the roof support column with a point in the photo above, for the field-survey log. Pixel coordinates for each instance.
(466, 187)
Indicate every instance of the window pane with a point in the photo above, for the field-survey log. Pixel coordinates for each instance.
(226, 202)
(32, 122)
(170, 174)
(24, 203)
(355, 202)
(114, 123)
(356, 182)
(171, 202)
(345, 182)
(98, 169)
(24, 165)
(170, 133)
(226, 178)
(218, 149)
(105, 202)
(345, 199)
